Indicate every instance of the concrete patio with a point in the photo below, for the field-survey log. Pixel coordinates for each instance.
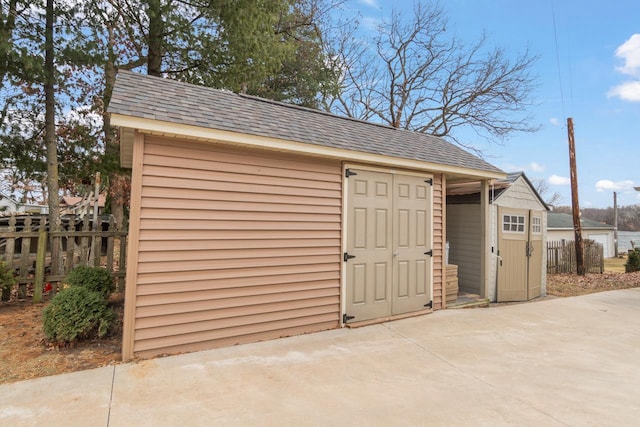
(571, 361)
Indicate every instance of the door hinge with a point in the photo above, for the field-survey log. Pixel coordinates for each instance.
(429, 252)
(348, 173)
(346, 257)
(429, 304)
(429, 181)
(346, 318)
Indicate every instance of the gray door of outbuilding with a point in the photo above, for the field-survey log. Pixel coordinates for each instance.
(389, 236)
(520, 254)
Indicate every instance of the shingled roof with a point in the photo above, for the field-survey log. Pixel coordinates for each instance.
(564, 221)
(155, 98)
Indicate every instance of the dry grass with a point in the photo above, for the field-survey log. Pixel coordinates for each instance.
(566, 285)
(614, 277)
(615, 265)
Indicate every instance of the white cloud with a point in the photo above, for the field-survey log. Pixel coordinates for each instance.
(607, 185)
(370, 3)
(628, 91)
(554, 121)
(535, 167)
(629, 52)
(559, 180)
(531, 167)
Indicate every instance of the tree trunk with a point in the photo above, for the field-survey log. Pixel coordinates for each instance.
(50, 124)
(156, 29)
(118, 193)
(6, 36)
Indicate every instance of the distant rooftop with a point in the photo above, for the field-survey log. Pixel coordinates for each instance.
(565, 221)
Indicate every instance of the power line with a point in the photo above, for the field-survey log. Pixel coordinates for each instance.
(555, 36)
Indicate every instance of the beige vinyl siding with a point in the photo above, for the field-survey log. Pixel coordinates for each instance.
(520, 195)
(235, 246)
(464, 233)
(439, 237)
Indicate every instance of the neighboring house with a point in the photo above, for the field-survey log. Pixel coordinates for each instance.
(252, 220)
(71, 205)
(516, 216)
(560, 227)
(8, 206)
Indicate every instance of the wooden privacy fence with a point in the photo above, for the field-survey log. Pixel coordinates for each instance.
(561, 257)
(40, 256)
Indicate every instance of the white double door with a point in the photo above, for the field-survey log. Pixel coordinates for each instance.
(388, 259)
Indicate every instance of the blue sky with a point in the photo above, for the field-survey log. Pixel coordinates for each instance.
(593, 77)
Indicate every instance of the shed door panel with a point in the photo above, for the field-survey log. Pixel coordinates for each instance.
(370, 227)
(388, 232)
(521, 252)
(536, 252)
(512, 264)
(412, 238)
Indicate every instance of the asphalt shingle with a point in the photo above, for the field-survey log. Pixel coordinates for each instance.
(564, 220)
(155, 98)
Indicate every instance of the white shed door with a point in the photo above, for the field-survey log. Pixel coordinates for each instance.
(389, 235)
(604, 241)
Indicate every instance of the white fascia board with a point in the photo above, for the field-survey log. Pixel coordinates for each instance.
(157, 127)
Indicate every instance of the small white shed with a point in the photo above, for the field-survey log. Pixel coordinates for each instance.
(516, 216)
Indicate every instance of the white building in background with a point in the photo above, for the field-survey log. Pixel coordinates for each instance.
(560, 227)
(9, 205)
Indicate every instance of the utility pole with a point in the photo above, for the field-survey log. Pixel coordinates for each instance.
(575, 205)
(615, 223)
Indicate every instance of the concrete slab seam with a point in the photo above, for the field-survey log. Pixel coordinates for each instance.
(113, 382)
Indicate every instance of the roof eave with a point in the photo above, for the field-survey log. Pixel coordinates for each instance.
(163, 128)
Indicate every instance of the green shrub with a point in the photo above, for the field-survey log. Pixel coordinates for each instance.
(633, 261)
(77, 313)
(93, 278)
(7, 280)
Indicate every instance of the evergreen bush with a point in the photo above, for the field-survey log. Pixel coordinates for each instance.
(77, 313)
(93, 278)
(633, 261)
(7, 280)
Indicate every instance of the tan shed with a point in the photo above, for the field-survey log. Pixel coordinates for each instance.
(252, 219)
(514, 265)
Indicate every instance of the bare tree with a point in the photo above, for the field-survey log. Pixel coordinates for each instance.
(544, 190)
(420, 78)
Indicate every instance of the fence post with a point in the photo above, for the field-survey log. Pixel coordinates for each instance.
(601, 259)
(25, 253)
(11, 243)
(110, 240)
(40, 261)
(122, 261)
(70, 249)
(84, 242)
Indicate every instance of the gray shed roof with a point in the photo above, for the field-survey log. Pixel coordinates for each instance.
(155, 98)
